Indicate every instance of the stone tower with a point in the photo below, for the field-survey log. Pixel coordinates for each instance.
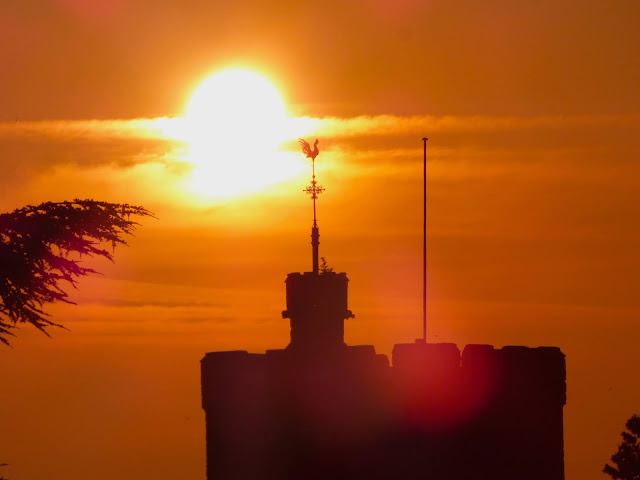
(321, 409)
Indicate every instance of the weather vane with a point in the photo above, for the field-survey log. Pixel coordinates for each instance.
(314, 190)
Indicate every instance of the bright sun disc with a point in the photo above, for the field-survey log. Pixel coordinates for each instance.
(235, 122)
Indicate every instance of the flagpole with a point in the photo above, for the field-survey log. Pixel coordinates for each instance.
(424, 244)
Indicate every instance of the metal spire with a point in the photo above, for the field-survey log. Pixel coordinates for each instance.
(314, 190)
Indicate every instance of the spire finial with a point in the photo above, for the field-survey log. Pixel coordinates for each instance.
(314, 190)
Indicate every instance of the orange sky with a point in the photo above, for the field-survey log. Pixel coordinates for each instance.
(534, 123)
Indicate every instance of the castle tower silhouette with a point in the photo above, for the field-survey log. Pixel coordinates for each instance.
(321, 409)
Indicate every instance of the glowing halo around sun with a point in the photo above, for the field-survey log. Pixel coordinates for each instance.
(234, 124)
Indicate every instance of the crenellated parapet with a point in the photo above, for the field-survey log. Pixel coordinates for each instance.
(485, 413)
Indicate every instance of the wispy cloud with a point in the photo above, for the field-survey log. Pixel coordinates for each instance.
(88, 129)
(144, 157)
(390, 125)
(378, 125)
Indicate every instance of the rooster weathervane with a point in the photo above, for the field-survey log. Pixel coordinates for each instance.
(314, 190)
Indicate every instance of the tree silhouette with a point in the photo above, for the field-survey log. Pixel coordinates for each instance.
(627, 458)
(324, 268)
(41, 247)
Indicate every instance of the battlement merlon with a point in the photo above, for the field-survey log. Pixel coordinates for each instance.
(523, 372)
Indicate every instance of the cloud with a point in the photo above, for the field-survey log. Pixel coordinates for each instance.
(41, 145)
(87, 159)
(92, 129)
(161, 128)
(390, 125)
(475, 145)
(143, 158)
(125, 143)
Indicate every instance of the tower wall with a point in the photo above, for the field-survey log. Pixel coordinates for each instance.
(435, 414)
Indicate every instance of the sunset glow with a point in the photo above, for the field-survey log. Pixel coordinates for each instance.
(193, 110)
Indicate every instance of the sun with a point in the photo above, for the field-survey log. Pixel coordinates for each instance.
(235, 122)
(232, 97)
